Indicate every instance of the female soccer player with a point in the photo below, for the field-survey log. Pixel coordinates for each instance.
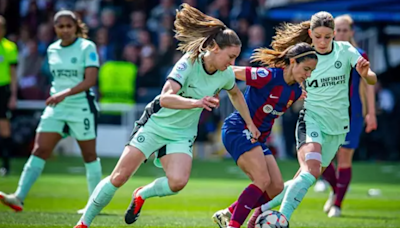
(324, 121)
(168, 125)
(70, 110)
(270, 93)
(344, 32)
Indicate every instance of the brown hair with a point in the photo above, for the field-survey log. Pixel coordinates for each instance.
(198, 32)
(347, 18)
(290, 34)
(81, 28)
(272, 58)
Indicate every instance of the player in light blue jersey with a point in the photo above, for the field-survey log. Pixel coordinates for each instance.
(169, 123)
(340, 179)
(71, 108)
(324, 121)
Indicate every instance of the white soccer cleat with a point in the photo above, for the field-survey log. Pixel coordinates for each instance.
(329, 203)
(320, 186)
(222, 218)
(334, 212)
(11, 201)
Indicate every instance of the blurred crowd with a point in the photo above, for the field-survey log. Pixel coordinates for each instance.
(137, 36)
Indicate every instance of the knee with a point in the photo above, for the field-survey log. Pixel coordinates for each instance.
(262, 181)
(315, 170)
(177, 182)
(42, 152)
(276, 188)
(119, 178)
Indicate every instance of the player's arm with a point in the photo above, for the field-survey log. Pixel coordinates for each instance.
(362, 65)
(253, 76)
(238, 101)
(170, 99)
(370, 118)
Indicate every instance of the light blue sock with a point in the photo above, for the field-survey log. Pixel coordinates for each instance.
(93, 174)
(296, 192)
(32, 170)
(277, 200)
(101, 196)
(159, 187)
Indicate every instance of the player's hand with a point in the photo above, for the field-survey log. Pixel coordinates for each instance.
(217, 96)
(255, 133)
(303, 95)
(362, 67)
(55, 99)
(371, 122)
(12, 103)
(208, 103)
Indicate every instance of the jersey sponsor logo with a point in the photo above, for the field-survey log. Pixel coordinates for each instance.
(270, 110)
(262, 72)
(181, 66)
(338, 64)
(328, 81)
(273, 97)
(93, 56)
(64, 73)
(74, 60)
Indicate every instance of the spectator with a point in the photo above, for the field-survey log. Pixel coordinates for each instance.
(105, 49)
(148, 80)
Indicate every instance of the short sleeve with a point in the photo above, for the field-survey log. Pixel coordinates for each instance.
(258, 76)
(353, 54)
(231, 80)
(91, 56)
(12, 53)
(181, 70)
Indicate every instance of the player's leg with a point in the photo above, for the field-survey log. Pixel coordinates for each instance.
(5, 144)
(344, 158)
(84, 131)
(44, 145)
(5, 130)
(128, 163)
(252, 163)
(275, 188)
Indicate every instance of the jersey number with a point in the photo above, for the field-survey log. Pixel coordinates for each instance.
(86, 122)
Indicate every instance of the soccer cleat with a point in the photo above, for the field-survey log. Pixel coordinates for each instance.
(320, 186)
(81, 225)
(222, 218)
(252, 221)
(334, 212)
(329, 203)
(133, 211)
(11, 201)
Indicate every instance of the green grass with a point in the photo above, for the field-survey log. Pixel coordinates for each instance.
(61, 190)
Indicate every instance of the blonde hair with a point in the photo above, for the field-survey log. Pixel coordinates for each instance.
(347, 18)
(290, 34)
(273, 58)
(198, 32)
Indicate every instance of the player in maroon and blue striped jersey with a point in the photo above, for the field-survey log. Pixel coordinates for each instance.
(271, 91)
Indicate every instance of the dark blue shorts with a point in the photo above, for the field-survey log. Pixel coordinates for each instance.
(353, 136)
(237, 141)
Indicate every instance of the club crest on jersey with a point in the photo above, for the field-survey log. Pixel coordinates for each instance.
(262, 72)
(74, 60)
(181, 66)
(290, 102)
(338, 64)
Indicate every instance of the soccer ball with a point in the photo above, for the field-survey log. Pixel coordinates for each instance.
(272, 219)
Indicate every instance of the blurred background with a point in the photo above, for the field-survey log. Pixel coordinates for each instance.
(135, 44)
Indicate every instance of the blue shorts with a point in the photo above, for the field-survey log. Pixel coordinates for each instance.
(237, 141)
(353, 136)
